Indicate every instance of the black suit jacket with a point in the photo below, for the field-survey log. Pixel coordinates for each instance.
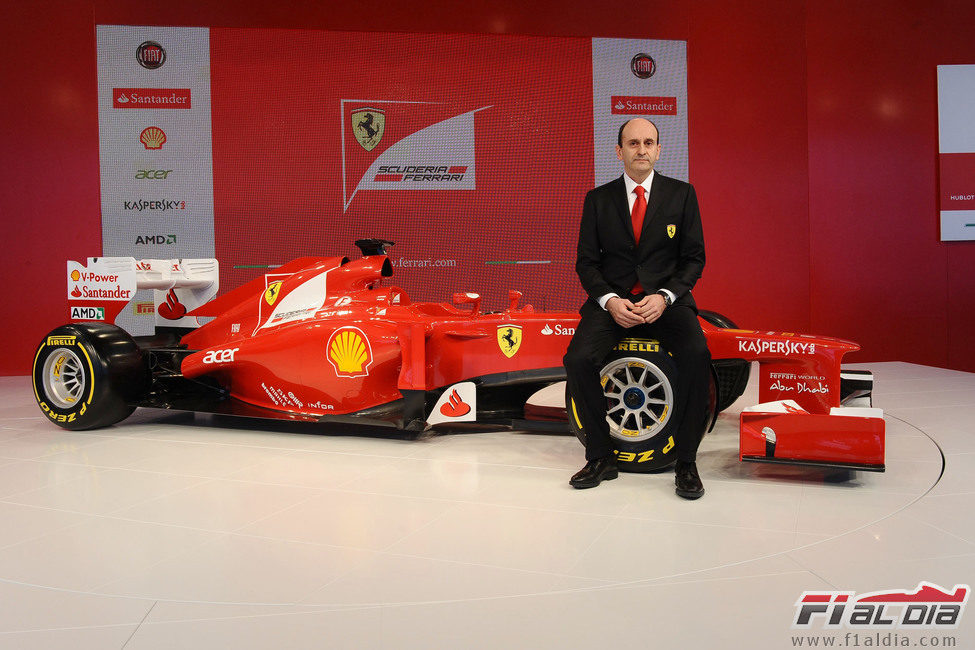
(670, 254)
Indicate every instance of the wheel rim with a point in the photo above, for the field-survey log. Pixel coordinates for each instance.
(639, 398)
(64, 378)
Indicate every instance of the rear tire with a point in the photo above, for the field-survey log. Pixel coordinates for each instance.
(86, 375)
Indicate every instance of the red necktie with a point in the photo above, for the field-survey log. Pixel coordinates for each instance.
(639, 211)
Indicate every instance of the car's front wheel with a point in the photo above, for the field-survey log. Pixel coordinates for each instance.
(638, 381)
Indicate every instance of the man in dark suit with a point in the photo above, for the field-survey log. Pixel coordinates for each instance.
(641, 249)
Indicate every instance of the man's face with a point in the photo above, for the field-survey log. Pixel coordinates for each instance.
(640, 150)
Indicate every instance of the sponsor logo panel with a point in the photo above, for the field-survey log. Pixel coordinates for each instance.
(146, 240)
(558, 330)
(150, 55)
(349, 352)
(151, 98)
(632, 105)
(94, 285)
(87, 313)
(154, 205)
(643, 66)
(765, 346)
(152, 138)
(153, 174)
(220, 356)
(637, 345)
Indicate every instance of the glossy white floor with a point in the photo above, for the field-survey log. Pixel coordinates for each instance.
(170, 531)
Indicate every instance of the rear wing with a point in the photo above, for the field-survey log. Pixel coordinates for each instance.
(100, 289)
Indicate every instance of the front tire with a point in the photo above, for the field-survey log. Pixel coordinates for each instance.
(638, 380)
(86, 375)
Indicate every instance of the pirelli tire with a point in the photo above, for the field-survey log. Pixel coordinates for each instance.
(87, 375)
(638, 380)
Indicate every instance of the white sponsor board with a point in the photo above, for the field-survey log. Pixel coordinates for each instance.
(956, 146)
(639, 78)
(155, 146)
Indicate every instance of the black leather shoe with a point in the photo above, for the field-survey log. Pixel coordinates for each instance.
(687, 481)
(595, 472)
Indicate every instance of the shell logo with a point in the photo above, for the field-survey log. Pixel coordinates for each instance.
(152, 137)
(75, 275)
(349, 352)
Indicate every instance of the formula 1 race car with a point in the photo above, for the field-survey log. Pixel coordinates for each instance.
(326, 339)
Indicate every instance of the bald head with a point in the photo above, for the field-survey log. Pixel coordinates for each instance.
(619, 136)
(638, 148)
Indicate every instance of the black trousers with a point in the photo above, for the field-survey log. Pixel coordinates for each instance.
(679, 331)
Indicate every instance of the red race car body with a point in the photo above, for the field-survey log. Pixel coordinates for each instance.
(330, 339)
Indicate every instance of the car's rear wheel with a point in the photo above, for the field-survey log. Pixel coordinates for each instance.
(86, 375)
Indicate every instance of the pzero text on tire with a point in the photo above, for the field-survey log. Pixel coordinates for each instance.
(85, 375)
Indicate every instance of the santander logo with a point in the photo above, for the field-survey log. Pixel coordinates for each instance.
(172, 309)
(455, 407)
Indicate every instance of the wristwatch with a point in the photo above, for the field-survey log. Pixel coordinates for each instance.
(666, 296)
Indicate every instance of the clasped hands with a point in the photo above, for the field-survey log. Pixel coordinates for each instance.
(630, 314)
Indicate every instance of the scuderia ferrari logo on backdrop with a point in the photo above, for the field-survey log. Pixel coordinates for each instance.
(368, 126)
(271, 293)
(509, 339)
(671, 230)
(402, 144)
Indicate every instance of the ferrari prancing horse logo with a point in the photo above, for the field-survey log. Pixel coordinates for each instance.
(271, 293)
(368, 126)
(671, 230)
(509, 339)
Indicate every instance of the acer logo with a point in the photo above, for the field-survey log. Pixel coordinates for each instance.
(220, 356)
(153, 174)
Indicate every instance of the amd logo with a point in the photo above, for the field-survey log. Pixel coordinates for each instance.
(144, 240)
(87, 313)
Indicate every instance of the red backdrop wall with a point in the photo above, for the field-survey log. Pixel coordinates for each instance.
(813, 141)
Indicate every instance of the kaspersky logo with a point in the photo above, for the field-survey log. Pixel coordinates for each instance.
(405, 145)
(926, 607)
(349, 352)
